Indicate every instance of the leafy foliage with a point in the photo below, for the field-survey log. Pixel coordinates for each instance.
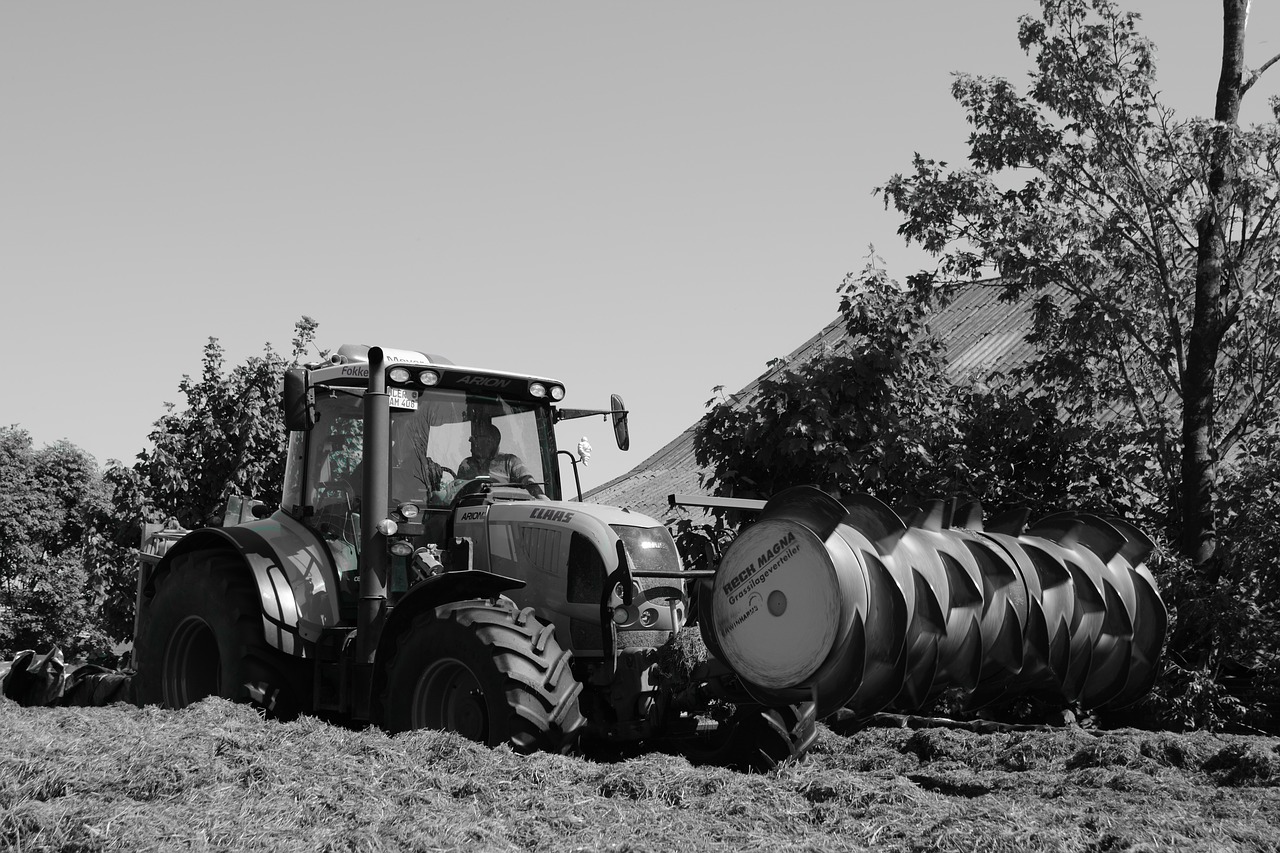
(1020, 447)
(1234, 619)
(862, 416)
(229, 439)
(69, 533)
(1104, 225)
(53, 582)
(1148, 245)
(878, 413)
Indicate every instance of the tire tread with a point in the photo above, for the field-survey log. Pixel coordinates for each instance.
(543, 712)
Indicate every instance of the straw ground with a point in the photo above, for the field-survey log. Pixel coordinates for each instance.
(218, 776)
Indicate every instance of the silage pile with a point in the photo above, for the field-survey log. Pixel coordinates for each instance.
(219, 776)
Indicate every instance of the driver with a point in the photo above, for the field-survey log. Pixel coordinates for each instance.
(485, 460)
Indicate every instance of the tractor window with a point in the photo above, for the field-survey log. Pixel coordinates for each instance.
(435, 452)
(433, 455)
(337, 442)
(294, 465)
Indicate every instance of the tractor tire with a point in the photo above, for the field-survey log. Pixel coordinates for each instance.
(202, 636)
(488, 671)
(756, 739)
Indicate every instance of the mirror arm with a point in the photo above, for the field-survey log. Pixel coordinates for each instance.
(571, 414)
(617, 411)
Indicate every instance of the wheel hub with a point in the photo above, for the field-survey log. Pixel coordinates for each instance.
(192, 665)
(448, 696)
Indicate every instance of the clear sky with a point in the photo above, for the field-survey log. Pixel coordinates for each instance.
(644, 198)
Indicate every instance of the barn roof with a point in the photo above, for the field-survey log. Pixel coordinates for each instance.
(981, 333)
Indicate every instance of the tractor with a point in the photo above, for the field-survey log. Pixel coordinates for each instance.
(407, 582)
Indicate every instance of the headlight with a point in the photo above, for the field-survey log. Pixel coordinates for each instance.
(401, 548)
(537, 389)
(429, 377)
(398, 374)
(409, 511)
(387, 527)
(557, 393)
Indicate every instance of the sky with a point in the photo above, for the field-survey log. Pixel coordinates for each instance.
(649, 199)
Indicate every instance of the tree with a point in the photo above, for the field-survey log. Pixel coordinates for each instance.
(878, 412)
(864, 416)
(54, 584)
(69, 533)
(1152, 241)
(1222, 286)
(230, 439)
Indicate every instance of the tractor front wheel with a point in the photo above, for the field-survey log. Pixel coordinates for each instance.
(487, 671)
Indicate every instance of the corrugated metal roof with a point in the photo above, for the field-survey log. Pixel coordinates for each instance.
(981, 332)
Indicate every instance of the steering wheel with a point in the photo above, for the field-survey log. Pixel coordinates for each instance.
(473, 486)
(420, 482)
(343, 488)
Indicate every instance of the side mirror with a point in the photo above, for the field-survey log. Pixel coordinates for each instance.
(299, 401)
(620, 431)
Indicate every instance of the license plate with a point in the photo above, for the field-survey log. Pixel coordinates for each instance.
(403, 398)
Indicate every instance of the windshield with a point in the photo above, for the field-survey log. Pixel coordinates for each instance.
(453, 437)
(441, 441)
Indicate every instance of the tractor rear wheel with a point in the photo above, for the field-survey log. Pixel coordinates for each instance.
(487, 671)
(202, 637)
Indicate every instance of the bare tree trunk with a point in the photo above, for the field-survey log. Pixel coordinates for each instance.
(1210, 321)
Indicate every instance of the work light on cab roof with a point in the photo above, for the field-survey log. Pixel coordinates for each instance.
(541, 390)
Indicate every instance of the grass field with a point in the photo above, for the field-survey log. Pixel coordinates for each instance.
(218, 777)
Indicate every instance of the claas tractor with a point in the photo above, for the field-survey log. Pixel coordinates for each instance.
(423, 570)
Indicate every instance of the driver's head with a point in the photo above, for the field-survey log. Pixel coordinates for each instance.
(485, 439)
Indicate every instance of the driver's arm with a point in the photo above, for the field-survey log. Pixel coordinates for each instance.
(519, 473)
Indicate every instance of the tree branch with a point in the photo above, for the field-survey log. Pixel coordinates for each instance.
(1253, 78)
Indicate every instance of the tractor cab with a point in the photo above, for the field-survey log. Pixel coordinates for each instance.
(444, 433)
(406, 448)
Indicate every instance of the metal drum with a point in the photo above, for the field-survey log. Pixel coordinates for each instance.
(855, 607)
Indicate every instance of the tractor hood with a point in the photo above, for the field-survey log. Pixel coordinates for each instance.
(571, 557)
